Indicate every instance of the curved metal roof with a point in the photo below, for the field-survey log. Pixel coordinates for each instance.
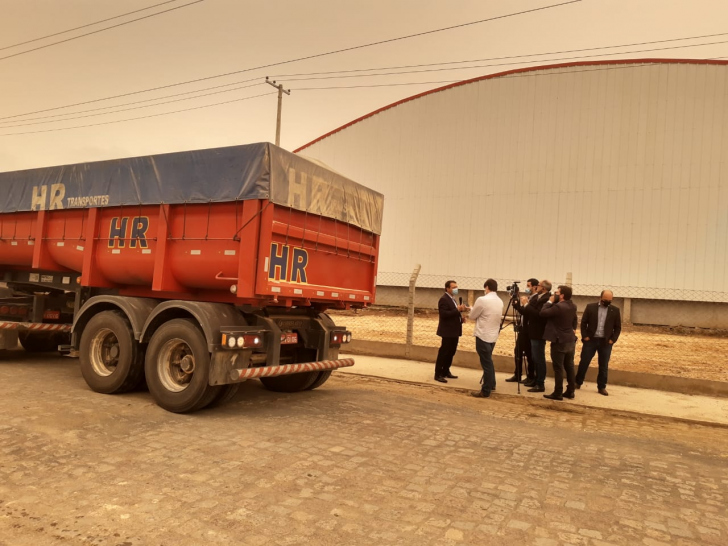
(509, 72)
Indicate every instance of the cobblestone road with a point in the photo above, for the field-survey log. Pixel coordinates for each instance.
(360, 461)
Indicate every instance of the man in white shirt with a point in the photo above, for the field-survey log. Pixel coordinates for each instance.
(487, 313)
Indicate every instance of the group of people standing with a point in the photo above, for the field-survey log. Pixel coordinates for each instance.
(543, 316)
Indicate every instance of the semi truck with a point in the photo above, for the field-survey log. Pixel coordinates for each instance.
(191, 271)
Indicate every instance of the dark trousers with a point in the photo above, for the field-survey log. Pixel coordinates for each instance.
(448, 348)
(538, 353)
(562, 357)
(603, 348)
(485, 352)
(523, 347)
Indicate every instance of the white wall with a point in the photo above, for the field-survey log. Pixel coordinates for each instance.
(619, 172)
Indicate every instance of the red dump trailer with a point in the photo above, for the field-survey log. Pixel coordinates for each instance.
(194, 271)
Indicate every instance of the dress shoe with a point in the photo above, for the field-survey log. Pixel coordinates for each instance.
(529, 383)
(451, 376)
(537, 388)
(512, 379)
(578, 385)
(440, 379)
(479, 394)
(603, 392)
(569, 395)
(553, 396)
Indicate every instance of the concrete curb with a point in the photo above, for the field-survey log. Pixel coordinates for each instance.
(504, 364)
(560, 406)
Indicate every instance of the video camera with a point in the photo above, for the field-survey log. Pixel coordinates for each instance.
(513, 290)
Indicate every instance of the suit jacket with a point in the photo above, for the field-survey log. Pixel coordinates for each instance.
(535, 323)
(451, 321)
(561, 322)
(590, 320)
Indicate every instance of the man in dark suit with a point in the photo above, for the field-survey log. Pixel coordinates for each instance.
(601, 325)
(535, 325)
(560, 330)
(523, 340)
(450, 328)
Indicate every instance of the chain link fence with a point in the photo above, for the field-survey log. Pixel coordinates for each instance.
(666, 332)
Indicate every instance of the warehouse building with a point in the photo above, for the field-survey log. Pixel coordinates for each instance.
(610, 174)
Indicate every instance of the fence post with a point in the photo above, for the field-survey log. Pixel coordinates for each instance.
(411, 310)
(627, 311)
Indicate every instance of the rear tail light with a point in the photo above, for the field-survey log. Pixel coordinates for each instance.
(242, 341)
(337, 338)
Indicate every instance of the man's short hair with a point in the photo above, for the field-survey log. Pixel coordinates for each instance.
(448, 283)
(491, 284)
(546, 285)
(606, 290)
(534, 282)
(566, 291)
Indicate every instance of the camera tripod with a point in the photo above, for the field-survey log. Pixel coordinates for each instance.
(519, 353)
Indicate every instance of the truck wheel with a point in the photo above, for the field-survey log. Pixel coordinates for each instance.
(178, 367)
(290, 383)
(112, 361)
(227, 393)
(34, 342)
(322, 378)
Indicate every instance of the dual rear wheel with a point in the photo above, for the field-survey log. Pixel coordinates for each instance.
(176, 364)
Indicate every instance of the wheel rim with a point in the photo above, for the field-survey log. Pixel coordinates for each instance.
(105, 352)
(175, 365)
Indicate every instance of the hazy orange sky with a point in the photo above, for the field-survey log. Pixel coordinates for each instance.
(218, 36)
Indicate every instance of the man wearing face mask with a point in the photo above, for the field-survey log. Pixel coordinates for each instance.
(449, 328)
(536, 324)
(601, 325)
(560, 330)
(523, 341)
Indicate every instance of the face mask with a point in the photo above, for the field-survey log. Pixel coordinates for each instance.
(606, 303)
(528, 290)
(454, 291)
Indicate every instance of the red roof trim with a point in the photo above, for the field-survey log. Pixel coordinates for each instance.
(506, 73)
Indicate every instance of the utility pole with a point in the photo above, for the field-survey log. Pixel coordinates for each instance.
(280, 106)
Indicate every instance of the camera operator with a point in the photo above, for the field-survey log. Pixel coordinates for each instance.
(535, 325)
(523, 341)
(561, 332)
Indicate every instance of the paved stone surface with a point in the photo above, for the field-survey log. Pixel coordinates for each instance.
(360, 461)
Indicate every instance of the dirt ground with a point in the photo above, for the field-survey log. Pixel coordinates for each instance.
(664, 351)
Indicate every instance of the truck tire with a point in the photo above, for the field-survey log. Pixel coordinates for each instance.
(296, 382)
(112, 361)
(34, 342)
(177, 367)
(322, 378)
(227, 393)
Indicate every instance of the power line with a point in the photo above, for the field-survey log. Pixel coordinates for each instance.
(308, 57)
(514, 56)
(357, 75)
(521, 75)
(87, 25)
(518, 75)
(100, 30)
(137, 118)
(134, 102)
(498, 64)
(128, 109)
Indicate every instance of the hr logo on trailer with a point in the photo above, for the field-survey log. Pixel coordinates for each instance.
(279, 268)
(135, 227)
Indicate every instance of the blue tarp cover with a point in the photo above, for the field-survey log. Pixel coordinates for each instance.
(252, 171)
